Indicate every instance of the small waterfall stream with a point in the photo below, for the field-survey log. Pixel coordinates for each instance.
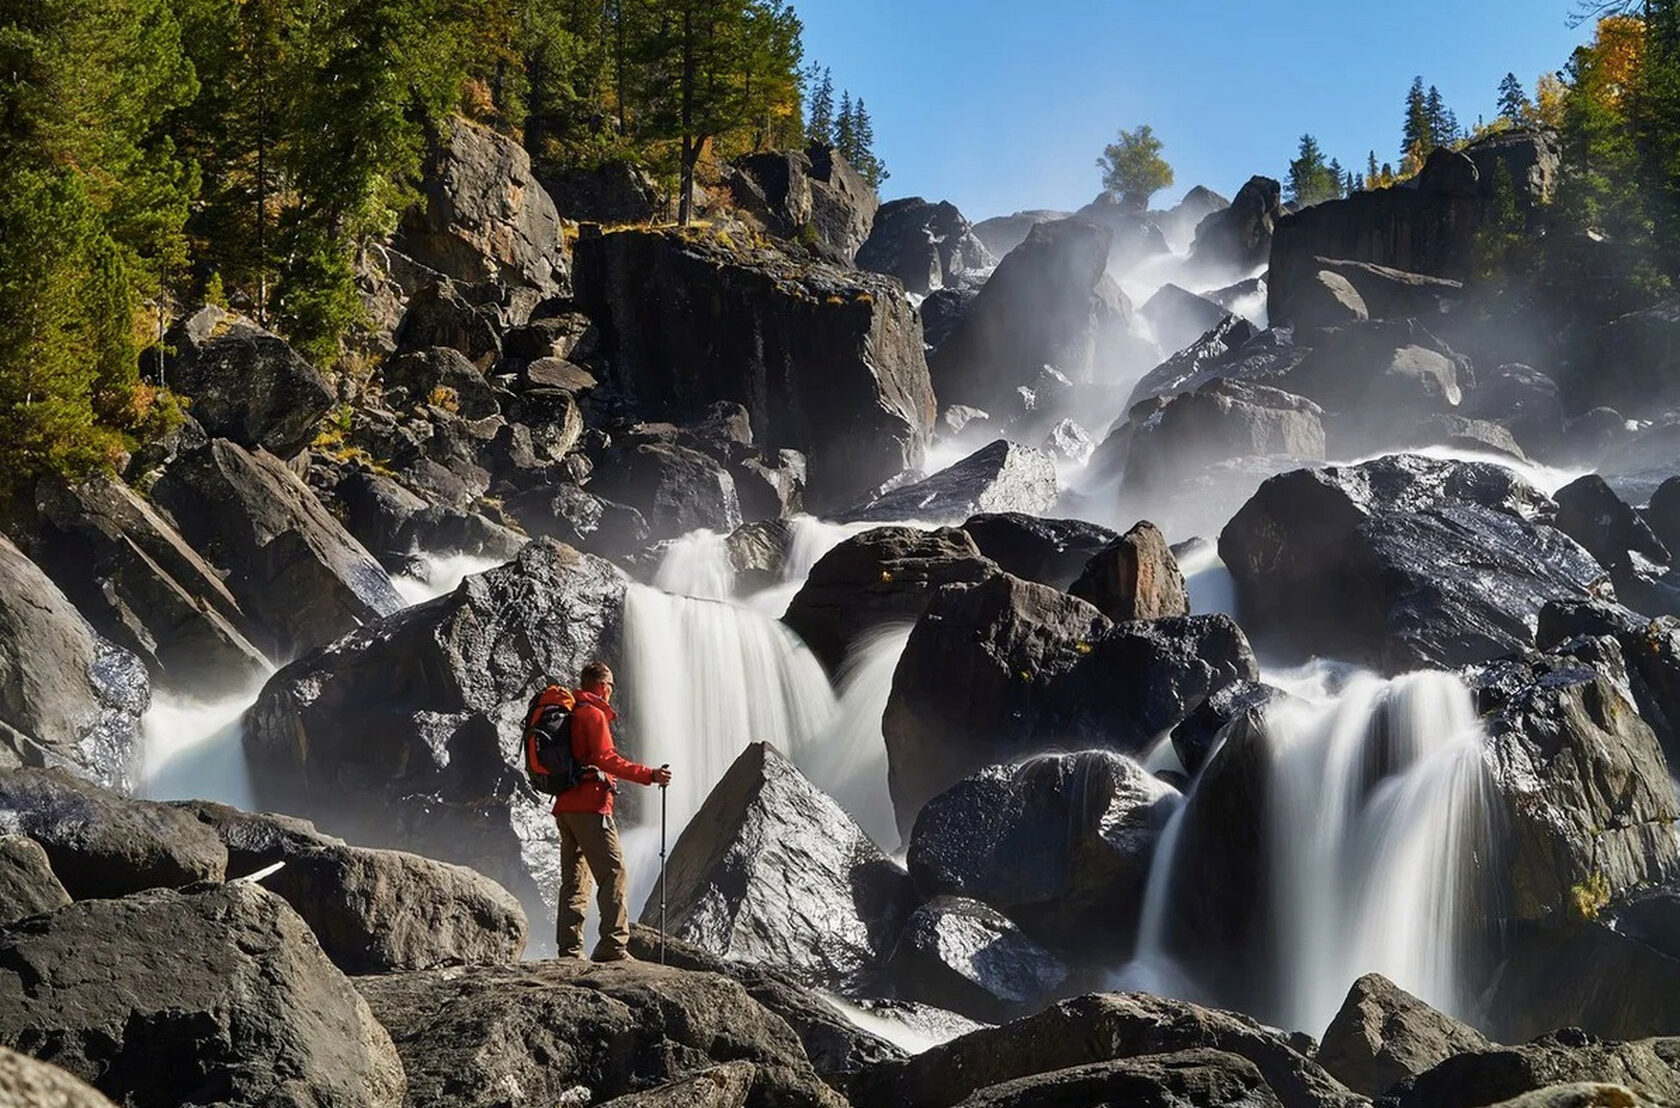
(1376, 836)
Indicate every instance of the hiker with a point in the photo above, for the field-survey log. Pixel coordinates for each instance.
(588, 835)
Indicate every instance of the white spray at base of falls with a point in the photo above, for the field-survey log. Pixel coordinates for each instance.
(1378, 838)
(848, 761)
(195, 750)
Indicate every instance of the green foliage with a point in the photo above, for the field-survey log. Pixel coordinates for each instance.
(1311, 179)
(1514, 104)
(855, 139)
(1133, 169)
(819, 128)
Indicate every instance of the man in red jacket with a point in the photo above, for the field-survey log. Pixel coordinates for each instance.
(588, 836)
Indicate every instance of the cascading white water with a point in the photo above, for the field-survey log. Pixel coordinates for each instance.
(848, 760)
(1209, 583)
(700, 680)
(1378, 832)
(697, 565)
(195, 750)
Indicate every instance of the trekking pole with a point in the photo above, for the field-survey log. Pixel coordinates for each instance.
(662, 793)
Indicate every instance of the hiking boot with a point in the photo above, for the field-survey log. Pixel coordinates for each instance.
(612, 956)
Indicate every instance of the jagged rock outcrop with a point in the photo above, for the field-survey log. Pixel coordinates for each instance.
(102, 844)
(1179, 222)
(827, 361)
(1165, 439)
(1383, 1035)
(1404, 562)
(573, 1032)
(885, 575)
(926, 246)
(1429, 229)
(999, 477)
(771, 869)
(963, 955)
(373, 911)
(27, 884)
(1046, 304)
(246, 384)
(814, 197)
(395, 524)
(416, 376)
(1650, 648)
(1007, 667)
(1203, 360)
(394, 734)
(1238, 238)
(1094, 1029)
(485, 217)
(68, 697)
(1060, 842)
(675, 489)
(128, 569)
(445, 315)
(1135, 577)
(213, 996)
(290, 564)
(1002, 233)
(1052, 552)
(1589, 808)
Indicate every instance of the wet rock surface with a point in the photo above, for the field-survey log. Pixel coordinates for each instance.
(68, 697)
(960, 954)
(1135, 577)
(215, 996)
(1052, 552)
(772, 870)
(1000, 477)
(1214, 1078)
(1383, 1035)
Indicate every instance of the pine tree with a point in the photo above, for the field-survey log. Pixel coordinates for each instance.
(1415, 137)
(1441, 128)
(819, 131)
(1372, 173)
(1514, 105)
(845, 128)
(867, 162)
(1311, 179)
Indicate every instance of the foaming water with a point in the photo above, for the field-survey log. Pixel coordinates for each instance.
(194, 750)
(702, 679)
(848, 760)
(438, 575)
(1378, 838)
(698, 565)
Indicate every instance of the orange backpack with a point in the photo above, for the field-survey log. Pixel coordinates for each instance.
(547, 741)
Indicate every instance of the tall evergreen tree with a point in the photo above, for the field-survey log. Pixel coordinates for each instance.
(1371, 170)
(819, 131)
(868, 163)
(1514, 105)
(845, 127)
(1311, 179)
(1416, 137)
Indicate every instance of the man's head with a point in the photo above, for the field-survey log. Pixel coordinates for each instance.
(597, 678)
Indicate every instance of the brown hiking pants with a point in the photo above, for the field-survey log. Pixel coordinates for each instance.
(589, 847)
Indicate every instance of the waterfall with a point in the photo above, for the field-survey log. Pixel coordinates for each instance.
(194, 750)
(1376, 835)
(848, 761)
(700, 680)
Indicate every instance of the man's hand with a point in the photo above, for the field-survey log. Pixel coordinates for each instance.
(662, 776)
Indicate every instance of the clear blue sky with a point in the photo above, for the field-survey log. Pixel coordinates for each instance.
(999, 105)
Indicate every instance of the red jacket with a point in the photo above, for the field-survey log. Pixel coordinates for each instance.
(592, 745)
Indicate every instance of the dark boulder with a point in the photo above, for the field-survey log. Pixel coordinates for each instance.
(1052, 552)
(394, 735)
(1650, 647)
(1383, 1035)
(1179, 317)
(1239, 238)
(1205, 1078)
(814, 197)
(1602, 975)
(102, 844)
(1060, 842)
(999, 477)
(827, 361)
(675, 489)
(1094, 1029)
(770, 869)
(1198, 363)
(1179, 222)
(1387, 293)
(373, 911)
(27, 884)
(1662, 514)
(1591, 513)
(885, 575)
(1368, 376)
(440, 317)
(926, 246)
(290, 564)
(943, 312)
(1588, 804)
(246, 384)
(1135, 577)
(1429, 230)
(1502, 1073)
(963, 955)
(613, 192)
(395, 524)
(1477, 435)
(1633, 365)
(572, 1032)
(771, 487)
(68, 697)
(1403, 561)
(1523, 400)
(1195, 740)
(1323, 299)
(1003, 233)
(1222, 419)
(439, 373)
(485, 217)
(212, 996)
(581, 519)
(1008, 667)
(130, 572)
(1043, 305)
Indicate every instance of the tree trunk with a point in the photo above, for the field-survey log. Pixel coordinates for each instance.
(690, 147)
